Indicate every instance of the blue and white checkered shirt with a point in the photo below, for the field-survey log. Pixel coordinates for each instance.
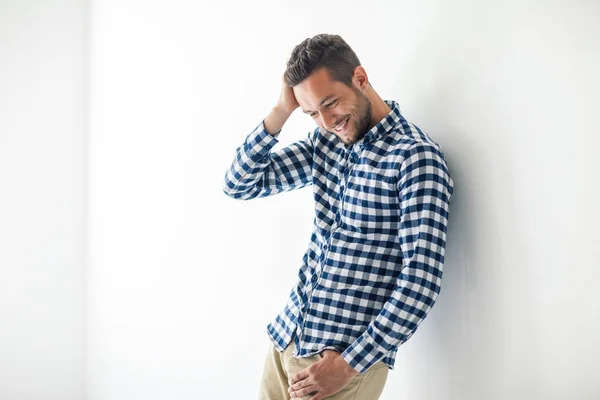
(373, 267)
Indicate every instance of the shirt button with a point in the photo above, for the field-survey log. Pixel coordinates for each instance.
(325, 247)
(314, 278)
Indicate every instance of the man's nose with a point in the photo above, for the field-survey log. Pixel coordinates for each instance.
(329, 121)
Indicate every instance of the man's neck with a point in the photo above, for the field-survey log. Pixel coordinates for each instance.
(379, 108)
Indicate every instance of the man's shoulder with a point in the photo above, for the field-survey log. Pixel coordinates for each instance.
(409, 137)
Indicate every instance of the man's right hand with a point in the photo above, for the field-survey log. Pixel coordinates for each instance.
(287, 99)
(283, 109)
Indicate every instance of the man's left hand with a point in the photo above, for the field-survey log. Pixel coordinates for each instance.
(326, 377)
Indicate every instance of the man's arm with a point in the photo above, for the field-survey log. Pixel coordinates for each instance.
(425, 188)
(258, 172)
(255, 171)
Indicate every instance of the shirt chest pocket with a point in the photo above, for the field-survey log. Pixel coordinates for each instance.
(370, 201)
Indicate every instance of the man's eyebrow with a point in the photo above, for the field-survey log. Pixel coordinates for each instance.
(322, 102)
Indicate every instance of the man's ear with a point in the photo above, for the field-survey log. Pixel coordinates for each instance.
(360, 78)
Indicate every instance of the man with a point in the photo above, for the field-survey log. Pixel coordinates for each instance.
(373, 268)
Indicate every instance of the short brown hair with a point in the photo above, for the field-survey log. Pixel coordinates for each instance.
(323, 50)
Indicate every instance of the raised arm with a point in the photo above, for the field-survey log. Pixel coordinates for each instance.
(258, 172)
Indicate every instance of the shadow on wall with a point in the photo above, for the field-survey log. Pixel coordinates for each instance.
(471, 309)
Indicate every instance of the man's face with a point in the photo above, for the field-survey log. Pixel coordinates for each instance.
(334, 105)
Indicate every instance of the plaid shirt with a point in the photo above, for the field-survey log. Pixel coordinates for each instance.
(373, 267)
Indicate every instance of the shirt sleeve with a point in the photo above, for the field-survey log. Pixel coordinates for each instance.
(424, 189)
(256, 171)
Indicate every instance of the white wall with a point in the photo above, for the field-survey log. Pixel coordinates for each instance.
(183, 280)
(42, 167)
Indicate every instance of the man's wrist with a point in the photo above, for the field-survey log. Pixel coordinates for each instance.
(276, 119)
(279, 108)
(350, 372)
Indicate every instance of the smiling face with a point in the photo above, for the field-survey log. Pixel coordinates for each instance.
(335, 107)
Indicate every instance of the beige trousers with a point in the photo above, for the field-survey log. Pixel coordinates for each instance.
(279, 366)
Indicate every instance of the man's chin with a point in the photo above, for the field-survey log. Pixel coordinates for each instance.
(349, 139)
(346, 140)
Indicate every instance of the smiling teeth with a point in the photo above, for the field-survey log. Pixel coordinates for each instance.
(342, 126)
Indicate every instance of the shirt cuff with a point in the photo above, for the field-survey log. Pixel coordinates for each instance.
(259, 142)
(363, 353)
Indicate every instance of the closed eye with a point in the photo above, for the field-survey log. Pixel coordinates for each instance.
(330, 105)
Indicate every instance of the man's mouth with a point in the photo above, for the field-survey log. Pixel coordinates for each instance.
(342, 128)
